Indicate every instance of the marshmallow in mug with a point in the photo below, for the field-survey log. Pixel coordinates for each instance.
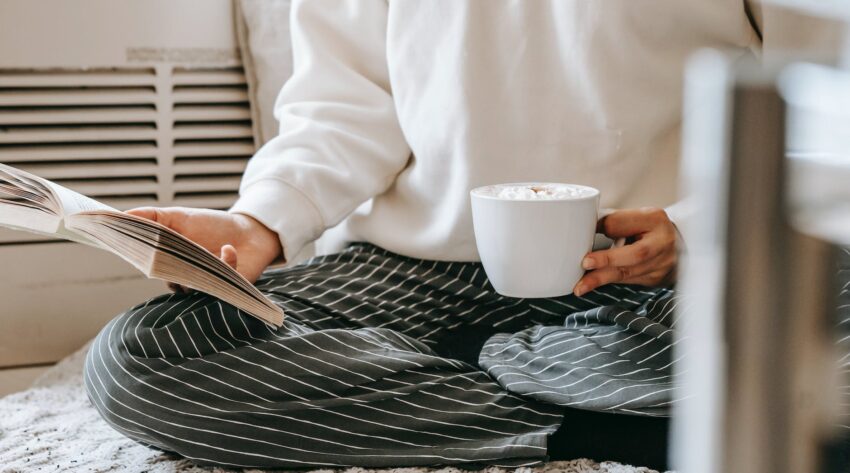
(541, 192)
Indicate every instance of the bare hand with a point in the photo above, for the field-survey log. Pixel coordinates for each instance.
(240, 241)
(649, 259)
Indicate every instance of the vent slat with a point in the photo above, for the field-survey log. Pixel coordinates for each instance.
(19, 154)
(210, 95)
(211, 166)
(65, 78)
(76, 96)
(198, 113)
(213, 149)
(196, 132)
(110, 187)
(182, 76)
(56, 171)
(221, 200)
(206, 183)
(76, 115)
(131, 201)
(52, 134)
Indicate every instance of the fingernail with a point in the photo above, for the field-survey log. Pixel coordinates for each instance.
(579, 290)
(587, 263)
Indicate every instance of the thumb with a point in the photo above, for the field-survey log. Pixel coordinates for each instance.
(165, 217)
(143, 212)
(229, 256)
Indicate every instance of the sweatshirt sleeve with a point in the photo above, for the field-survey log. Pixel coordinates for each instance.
(340, 142)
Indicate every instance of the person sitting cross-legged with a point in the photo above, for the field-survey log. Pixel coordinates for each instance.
(395, 349)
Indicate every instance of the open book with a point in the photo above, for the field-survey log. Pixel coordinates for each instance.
(36, 205)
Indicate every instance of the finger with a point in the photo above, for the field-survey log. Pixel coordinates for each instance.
(162, 216)
(627, 255)
(229, 256)
(601, 277)
(144, 212)
(661, 264)
(630, 222)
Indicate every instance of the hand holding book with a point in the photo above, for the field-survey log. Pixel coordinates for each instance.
(157, 248)
(253, 247)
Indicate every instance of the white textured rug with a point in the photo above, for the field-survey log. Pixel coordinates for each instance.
(53, 427)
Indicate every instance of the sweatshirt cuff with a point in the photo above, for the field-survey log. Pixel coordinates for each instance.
(679, 213)
(283, 209)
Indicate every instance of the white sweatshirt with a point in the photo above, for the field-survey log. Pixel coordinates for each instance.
(412, 103)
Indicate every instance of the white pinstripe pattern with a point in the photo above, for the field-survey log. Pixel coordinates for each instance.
(382, 360)
(843, 340)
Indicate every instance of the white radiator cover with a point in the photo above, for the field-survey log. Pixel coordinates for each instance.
(133, 102)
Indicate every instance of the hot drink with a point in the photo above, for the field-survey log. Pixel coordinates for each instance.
(538, 191)
(531, 237)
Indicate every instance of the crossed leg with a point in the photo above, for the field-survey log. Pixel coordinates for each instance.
(382, 360)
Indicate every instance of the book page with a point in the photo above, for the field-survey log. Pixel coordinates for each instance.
(74, 202)
(34, 204)
(16, 186)
(19, 217)
(25, 203)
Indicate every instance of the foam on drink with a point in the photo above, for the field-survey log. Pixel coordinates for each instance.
(541, 192)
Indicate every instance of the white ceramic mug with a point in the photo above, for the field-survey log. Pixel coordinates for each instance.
(533, 247)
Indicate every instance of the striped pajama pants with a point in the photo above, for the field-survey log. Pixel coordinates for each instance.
(382, 360)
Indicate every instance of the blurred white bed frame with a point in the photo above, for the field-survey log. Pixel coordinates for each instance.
(766, 161)
(136, 102)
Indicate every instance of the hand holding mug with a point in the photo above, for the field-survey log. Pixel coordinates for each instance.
(649, 259)
(534, 240)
